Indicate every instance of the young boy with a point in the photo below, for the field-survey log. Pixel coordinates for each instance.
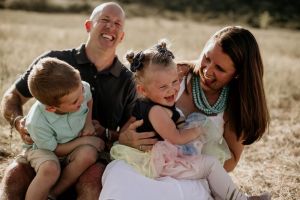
(60, 124)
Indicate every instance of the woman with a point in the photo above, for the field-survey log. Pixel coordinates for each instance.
(224, 83)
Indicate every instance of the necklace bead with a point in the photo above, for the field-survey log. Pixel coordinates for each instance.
(201, 102)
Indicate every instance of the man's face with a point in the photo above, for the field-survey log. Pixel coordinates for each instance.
(106, 30)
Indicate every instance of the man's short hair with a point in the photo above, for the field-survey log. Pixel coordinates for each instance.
(100, 7)
(51, 79)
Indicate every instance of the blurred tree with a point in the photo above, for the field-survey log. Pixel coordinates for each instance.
(279, 11)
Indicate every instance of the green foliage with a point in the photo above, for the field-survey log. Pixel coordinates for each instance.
(2, 3)
(264, 20)
(263, 13)
(37, 5)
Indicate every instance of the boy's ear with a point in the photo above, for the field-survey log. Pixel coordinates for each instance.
(140, 89)
(50, 108)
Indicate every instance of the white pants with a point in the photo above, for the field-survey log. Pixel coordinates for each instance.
(121, 182)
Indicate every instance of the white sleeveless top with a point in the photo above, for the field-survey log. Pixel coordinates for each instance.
(216, 145)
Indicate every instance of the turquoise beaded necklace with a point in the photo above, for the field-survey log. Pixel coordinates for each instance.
(201, 102)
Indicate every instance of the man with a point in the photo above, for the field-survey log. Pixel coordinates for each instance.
(113, 92)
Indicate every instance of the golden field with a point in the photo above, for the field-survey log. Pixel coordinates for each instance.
(272, 164)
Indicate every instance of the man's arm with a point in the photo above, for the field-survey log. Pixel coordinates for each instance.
(142, 141)
(12, 110)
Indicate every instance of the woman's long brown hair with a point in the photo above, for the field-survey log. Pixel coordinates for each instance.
(247, 107)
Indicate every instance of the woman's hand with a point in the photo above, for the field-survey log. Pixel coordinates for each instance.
(141, 141)
(20, 127)
(183, 68)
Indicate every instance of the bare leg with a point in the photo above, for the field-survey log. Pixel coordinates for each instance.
(80, 160)
(89, 185)
(17, 177)
(221, 183)
(46, 177)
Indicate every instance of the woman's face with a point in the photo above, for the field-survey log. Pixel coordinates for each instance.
(217, 69)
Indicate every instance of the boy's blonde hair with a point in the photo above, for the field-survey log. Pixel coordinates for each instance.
(51, 79)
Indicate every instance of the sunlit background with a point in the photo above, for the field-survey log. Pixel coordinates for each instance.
(31, 27)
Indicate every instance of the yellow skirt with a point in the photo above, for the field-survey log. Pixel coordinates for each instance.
(139, 160)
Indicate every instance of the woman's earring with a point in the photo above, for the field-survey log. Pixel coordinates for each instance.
(237, 76)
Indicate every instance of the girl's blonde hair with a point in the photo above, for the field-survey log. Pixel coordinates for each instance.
(158, 56)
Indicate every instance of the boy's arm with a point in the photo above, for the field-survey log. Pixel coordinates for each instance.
(89, 128)
(42, 136)
(67, 148)
(166, 128)
(89, 115)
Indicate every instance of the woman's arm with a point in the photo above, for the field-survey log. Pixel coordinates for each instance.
(236, 147)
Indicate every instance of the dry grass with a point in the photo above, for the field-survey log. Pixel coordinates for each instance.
(272, 164)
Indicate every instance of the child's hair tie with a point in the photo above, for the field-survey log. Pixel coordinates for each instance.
(164, 51)
(137, 62)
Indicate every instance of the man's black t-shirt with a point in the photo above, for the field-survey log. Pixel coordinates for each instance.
(113, 89)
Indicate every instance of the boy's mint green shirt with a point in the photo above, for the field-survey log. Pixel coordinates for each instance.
(47, 129)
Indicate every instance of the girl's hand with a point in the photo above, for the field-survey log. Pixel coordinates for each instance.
(141, 141)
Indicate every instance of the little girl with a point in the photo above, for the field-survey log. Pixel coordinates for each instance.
(158, 84)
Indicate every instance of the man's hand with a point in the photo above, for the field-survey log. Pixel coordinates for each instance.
(20, 127)
(11, 107)
(142, 141)
(99, 130)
